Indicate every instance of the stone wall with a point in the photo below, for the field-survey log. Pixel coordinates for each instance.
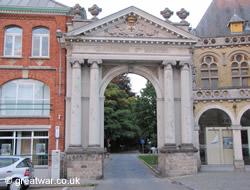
(177, 164)
(85, 165)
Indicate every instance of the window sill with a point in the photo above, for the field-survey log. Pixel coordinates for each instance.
(11, 57)
(39, 57)
(24, 116)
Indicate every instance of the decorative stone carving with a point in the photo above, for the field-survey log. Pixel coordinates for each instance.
(95, 10)
(167, 13)
(76, 60)
(39, 62)
(183, 14)
(132, 29)
(12, 61)
(194, 71)
(77, 11)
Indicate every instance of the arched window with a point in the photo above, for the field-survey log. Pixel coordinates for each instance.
(24, 98)
(240, 70)
(40, 42)
(13, 41)
(209, 72)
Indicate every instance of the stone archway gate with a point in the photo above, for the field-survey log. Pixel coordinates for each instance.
(129, 41)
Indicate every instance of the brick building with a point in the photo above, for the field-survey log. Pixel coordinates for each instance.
(32, 89)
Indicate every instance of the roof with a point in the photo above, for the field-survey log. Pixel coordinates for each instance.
(215, 21)
(33, 5)
(236, 18)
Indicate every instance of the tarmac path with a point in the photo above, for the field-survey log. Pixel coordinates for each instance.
(126, 172)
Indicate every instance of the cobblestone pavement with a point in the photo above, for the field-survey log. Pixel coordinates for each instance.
(125, 171)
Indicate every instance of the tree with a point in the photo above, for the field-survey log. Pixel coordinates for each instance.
(118, 118)
(123, 81)
(145, 113)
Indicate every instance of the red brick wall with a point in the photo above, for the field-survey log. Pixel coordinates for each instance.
(49, 76)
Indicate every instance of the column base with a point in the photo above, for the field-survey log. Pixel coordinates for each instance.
(86, 164)
(188, 147)
(177, 162)
(239, 165)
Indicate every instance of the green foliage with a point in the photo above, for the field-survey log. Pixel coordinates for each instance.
(145, 114)
(127, 119)
(118, 118)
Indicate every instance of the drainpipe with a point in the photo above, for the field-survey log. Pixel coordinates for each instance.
(59, 36)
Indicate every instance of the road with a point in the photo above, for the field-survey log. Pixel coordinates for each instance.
(126, 172)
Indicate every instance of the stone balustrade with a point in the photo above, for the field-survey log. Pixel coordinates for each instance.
(224, 41)
(221, 94)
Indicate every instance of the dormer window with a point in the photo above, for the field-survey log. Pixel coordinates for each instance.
(236, 24)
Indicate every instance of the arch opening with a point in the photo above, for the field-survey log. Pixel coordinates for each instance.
(215, 137)
(130, 114)
(245, 136)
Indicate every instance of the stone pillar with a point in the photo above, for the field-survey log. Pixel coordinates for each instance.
(238, 156)
(75, 121)
(186, 108)
(94, 103)
(169, 111)
(87, 163)
(175, 161)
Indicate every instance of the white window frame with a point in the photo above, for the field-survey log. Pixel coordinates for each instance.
(16, 99)
(41, 36)
(32, 137)
(13, 36)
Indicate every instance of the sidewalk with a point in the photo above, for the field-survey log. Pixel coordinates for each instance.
(215, 181)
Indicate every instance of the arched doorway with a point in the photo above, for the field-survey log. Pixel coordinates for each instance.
(215, 137)
(245, 136)
(129, 117)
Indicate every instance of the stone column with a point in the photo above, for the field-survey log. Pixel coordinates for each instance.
(75, 119)
(169, 113)
(94, 103)
(186, 108)
(238, 156)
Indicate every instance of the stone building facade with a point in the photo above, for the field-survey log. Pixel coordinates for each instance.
(55, 65)
(221, 91)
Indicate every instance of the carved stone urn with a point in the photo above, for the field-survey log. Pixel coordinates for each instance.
(183, 14)
(77, 11)
(95, 10)
(167, 13)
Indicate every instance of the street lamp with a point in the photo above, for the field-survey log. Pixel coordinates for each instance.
(59, 35)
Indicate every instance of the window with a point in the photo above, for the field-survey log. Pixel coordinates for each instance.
(40, 42)
(25, 143)
(13, 41)
(240, 70)
(24, 98)
(209, 72)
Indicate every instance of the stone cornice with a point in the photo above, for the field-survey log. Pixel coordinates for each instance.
(36, 11)
(120, 40)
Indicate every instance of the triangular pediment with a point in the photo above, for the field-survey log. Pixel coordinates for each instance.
(132, 22)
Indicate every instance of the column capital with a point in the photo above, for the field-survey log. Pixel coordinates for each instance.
(185, 64)
(74, 61)
(92, 61)
(169, 62)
